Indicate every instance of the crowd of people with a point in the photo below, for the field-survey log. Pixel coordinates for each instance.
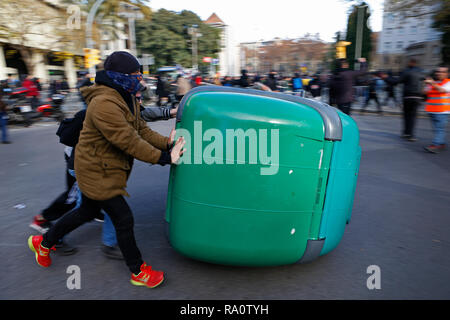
(103, 139)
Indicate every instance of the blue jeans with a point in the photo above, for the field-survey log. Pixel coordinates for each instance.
(109, 237)
(439, 122)
(4, 126)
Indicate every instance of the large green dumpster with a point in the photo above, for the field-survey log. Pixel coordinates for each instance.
(266, 179)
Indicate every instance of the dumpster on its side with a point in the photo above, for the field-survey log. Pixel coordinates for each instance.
(267, 178)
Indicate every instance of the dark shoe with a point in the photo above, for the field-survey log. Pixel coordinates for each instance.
(405, 136)
(112, 252)
(434, 149)
(412, 139)
(64, 249)
(6, 142)
(100, 217)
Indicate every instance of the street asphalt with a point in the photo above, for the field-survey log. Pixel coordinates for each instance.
(400, 223)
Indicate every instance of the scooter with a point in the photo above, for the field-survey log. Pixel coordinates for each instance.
(19, 109)
(54, 108)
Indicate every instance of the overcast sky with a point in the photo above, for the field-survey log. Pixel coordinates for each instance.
(252, 20)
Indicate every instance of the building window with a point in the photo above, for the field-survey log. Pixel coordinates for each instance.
(400, 45)
(413, 29)
(387, 45)
(389, 31)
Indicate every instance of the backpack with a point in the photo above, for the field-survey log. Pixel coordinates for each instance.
(70, 128)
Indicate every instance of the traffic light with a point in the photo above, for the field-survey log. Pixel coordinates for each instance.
(341, 52)
(91, 57)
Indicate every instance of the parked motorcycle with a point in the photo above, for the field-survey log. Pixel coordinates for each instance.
(19, 109)
(54, 108)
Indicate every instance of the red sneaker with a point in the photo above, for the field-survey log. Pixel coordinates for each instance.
(147, 277)
(40, 224)
(42, 253)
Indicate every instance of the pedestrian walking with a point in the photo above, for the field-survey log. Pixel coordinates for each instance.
(437, 105)
(412, 80)
(372, 87)
(113, 135)
(341, 84)
(3, 117)
(390, 88)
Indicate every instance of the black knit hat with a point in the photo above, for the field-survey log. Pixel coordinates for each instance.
(122, 61)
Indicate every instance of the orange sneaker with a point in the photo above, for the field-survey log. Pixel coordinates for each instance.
(42, 253)
(147, 277)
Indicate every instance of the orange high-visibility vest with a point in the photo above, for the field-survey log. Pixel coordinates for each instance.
(438, 101)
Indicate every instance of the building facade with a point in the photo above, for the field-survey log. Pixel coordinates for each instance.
(404, 30)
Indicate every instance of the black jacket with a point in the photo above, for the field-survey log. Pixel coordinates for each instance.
(412, 80)
(341, 85)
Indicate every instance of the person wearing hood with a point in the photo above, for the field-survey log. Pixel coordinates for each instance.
(113, 135)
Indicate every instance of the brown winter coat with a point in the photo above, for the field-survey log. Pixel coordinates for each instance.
(111, 138)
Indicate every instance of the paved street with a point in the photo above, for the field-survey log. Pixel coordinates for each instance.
(400, 222)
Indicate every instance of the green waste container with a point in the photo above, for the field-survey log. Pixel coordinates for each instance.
(267, 178)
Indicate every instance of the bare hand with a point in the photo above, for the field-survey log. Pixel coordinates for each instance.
(177, 150)
(171, 137)
(362, 59)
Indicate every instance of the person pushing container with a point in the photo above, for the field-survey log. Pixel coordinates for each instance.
(113, 135)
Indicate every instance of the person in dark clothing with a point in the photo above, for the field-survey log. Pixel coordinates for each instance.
(341, 84)
(227, 82)
(114, 126)
(4, 115)
(315, 87)
(412, 79)
(372, 84)
(243, 81)
(390, 88)
(162, 88)
(271, 82)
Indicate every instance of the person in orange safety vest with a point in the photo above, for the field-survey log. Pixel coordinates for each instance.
(437, 105)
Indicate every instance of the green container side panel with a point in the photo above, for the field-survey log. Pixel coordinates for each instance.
(222, 209)
(340, 192)
(242, 181)
(237, 237)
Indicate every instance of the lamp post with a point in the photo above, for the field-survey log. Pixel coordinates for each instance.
(359, 33)
(89, 22)
(194, 33)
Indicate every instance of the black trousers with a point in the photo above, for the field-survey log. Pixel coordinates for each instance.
(345, 107)
(60, 205)
(121, 217)
(409, 115)
(372, 96)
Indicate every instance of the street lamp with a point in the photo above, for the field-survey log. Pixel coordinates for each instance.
(194, 33)
(359, 33)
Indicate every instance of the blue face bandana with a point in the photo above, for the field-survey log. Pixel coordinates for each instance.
(129, 82)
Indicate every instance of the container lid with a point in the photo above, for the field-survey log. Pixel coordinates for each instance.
(330, 117)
